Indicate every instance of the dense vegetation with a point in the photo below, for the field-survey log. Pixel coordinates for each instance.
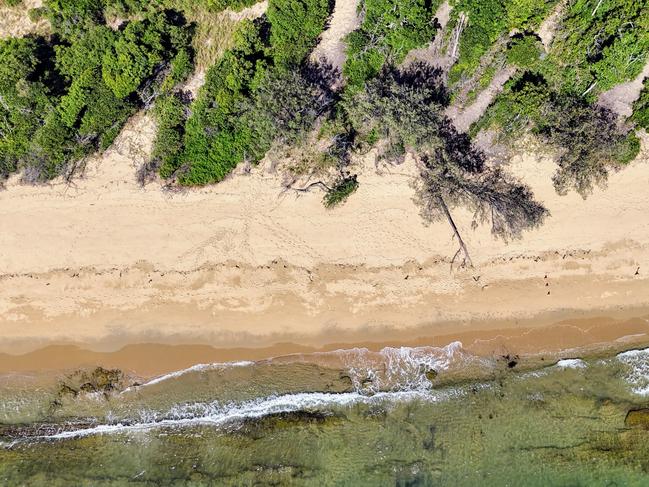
(262, 91)
(599, 44)
(65, 96)
(487, 22)
(390, 29)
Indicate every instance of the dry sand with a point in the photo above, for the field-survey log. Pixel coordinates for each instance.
(332, 45)
(548, 28)
(464, 117)
(15, 21)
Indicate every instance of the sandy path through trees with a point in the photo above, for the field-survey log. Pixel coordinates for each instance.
(620, 98)
(344, 20)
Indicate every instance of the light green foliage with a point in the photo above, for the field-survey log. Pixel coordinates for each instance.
(606, 48)
(180, 67)
(527, 14)
(215, 141)
(70, 18)
(258, 93)
(141, 47)
(87, 53)
(489, 20)
(295, 27)
(101, 112)
(641, 107)
(390, 29)
(523, 51)
(170, 116)
(77, 98)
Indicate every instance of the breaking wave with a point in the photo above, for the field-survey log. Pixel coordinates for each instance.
(216, 414)
(638, 370)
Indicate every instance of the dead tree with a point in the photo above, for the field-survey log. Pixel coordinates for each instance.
(493, 196)
(457, 33)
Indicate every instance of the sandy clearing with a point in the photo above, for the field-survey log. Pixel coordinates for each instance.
(548, 27)
(463, 118)
(435, 53)
(15, 21)
(620, 98)
(252, 12)
(332, 45)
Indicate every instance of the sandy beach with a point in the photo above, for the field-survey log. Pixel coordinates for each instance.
(103, 263)
(246, 269)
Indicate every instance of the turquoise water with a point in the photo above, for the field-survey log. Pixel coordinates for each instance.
(412, 417)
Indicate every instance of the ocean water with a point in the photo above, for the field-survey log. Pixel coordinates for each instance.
(399, 417)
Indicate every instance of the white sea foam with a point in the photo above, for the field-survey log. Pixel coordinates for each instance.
(390, 376)
(638, 374)
(193, 368)
(403, 368)
(571, 363)
(216, 414)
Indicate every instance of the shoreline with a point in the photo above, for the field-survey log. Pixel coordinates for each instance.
(531, 340)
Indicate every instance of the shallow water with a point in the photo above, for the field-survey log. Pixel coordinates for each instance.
(425, 416)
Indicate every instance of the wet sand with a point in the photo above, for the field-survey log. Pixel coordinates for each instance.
(532, 339)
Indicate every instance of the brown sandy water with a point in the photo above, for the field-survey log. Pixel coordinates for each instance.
(528, 338)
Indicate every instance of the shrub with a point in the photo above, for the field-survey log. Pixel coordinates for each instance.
(403, 108)
(489, 20)
(170, 117)
(26, 99)
(641, 107)
(254, 96)
(340, 191)
(524, 51)
(69, 95)
(139, 50)
(590, 142)
(294, 28)
(390, 29)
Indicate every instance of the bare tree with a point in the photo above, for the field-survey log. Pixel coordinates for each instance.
(494, 196)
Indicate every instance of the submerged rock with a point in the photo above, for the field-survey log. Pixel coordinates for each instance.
(637, 418)
(428, 372)
(260, 427)
(510, 360)
(105, 380)
(348, 384)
